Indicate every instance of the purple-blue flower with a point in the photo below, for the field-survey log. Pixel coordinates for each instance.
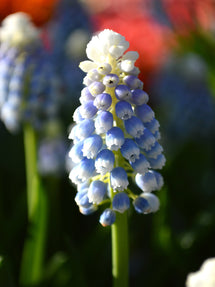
(124, 110)
(118, 141)
(86, 96)
(121, 202)
(108, 217)
(134, 127)
(140, 165)
(103, 122)
(141, 205)
(144, 112)
(146, 140)
(96, 88)
(29, 90)
(139, 97)
(91, 146)
(133, 82)
(97, 191)
(103, 101)
(118, 179)
(114, 138)
(130, 150)
(88, 110)
(123, 92)
(104, 161)
(111, 80)
(83, 130)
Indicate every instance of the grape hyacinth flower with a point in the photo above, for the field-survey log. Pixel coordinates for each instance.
(28, 100)
(115, 136)
(28, 86)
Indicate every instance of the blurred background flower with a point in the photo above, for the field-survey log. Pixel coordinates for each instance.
(204, 276)
(135, 20)
(188, 15)
(40, 10)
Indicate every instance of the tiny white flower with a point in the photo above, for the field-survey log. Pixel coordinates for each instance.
(86, 66)
(128, 60)
(131, 55)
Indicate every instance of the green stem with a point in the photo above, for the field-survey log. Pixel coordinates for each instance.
(119, 230)
(33, 252)
(30, 145)
(120, 254)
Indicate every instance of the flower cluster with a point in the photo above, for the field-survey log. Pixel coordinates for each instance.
(28, 88)
(175, 89)
(116, 133)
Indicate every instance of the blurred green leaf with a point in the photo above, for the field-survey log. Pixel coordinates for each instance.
(1, 260)
(33, 252)
(6, 275)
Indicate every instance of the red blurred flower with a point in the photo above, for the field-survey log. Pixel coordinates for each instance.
(117, 6)
(188, 15)
(39, 10)
(146, 36)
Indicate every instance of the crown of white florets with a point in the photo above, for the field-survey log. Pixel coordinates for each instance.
(108, 46)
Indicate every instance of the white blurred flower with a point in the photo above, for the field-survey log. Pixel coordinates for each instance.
(76, 43)
(205, 277)
(17, 30)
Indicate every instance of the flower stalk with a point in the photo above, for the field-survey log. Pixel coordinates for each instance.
(30, 146)
(33, 252)
(120, 250)
(119, 229)
(28, 100)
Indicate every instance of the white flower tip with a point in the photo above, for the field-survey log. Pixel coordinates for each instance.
(104, 43)
(18, 30)
(116, 51)
(131, 55)
(127, 65)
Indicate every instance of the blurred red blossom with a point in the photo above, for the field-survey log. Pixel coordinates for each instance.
(119, 6)
(146, 36)
(39, 10)
(189, 15)
(135, 21)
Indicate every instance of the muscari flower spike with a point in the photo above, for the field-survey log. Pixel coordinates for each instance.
(115, 135)
(28, 86)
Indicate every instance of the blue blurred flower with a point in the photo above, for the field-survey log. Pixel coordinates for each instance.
(185, 101)
(67, 34)
(29, 88)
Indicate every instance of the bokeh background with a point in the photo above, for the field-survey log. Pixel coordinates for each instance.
(176, 43)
